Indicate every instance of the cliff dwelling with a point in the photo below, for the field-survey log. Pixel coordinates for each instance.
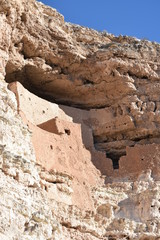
(80, 130)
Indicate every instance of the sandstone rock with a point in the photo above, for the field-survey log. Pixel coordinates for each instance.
(58, 144)
(78, 66)
(83, 162)
(20, 190)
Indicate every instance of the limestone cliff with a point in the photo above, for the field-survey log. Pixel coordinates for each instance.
(79, 123)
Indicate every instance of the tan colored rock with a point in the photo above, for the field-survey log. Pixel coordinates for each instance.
(58, 144)
(78, 66)
(144, 157)
(55, 148)
(36, 109)
(21, 196)
(51, 186)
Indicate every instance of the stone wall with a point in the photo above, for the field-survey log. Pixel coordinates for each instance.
(79, 130)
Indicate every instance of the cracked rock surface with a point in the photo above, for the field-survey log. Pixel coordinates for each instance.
(116, 78)
(84, 162)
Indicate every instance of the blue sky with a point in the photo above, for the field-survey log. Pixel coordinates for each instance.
(138, 18)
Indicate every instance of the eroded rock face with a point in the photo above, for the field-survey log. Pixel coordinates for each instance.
(59, 145)
(66, 196)
(117, 78)
(88, 168)
(21, 198)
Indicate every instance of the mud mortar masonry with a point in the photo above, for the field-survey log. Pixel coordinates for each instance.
(79, 130)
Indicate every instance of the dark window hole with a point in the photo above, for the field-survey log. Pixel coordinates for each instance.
(115, 159)
(67, 131)
(51, 147)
